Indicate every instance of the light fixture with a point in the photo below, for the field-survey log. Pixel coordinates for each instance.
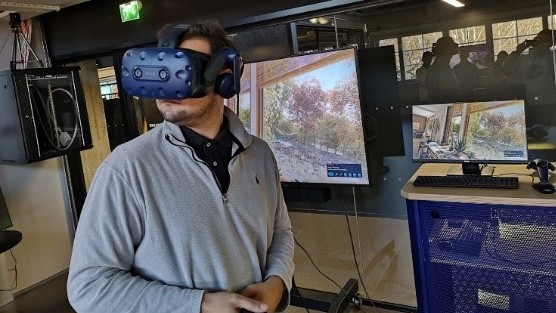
(455, 3)
(319, 20)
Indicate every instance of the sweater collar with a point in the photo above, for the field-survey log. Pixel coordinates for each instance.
(223, 138)
(234, 124)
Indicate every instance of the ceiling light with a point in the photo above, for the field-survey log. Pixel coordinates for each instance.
(455, 3)
(319, 20)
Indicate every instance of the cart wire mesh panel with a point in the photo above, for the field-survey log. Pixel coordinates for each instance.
(489, 258)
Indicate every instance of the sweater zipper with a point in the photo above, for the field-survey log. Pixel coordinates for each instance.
(224, 194)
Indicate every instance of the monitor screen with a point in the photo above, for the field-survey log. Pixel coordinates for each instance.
(307, 108)
(478, 132)
(5, 221)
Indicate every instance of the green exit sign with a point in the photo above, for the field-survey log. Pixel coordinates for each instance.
(130, 11)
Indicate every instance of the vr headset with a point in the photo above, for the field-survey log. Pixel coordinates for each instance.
(167, 72)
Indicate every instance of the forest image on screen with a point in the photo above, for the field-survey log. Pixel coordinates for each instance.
(486, 131)
(307, 108)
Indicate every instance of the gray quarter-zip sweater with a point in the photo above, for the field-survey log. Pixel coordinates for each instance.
(156, 231)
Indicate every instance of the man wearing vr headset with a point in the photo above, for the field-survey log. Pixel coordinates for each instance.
(188, 217)
(535, 70)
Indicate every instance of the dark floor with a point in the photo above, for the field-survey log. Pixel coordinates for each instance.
(49, 297)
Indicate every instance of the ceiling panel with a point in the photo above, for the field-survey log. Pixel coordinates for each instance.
(31, 8)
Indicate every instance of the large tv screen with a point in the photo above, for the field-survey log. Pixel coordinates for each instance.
(307, 108)
(485, 132)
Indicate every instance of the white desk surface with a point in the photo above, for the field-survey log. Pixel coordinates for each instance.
(524, 195)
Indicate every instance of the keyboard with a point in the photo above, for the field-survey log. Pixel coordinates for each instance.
(468, 181)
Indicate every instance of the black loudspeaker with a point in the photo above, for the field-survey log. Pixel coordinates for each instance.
(380, 103)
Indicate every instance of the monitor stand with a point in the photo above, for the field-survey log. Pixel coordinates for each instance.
(470, 169)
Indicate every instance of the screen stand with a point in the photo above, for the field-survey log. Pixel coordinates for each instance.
(306, 194)
(470, 169)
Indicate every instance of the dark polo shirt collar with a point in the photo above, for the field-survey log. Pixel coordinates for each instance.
(216, 152)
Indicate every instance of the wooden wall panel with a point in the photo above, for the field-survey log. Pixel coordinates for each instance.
(92, 158)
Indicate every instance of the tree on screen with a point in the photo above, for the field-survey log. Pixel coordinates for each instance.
(497, 127)
(344, 99)
(275, 100)
(307, 106)
(329, 129)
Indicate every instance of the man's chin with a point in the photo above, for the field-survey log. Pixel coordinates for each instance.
(174, 116)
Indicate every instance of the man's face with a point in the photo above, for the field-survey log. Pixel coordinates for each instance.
(187, 112)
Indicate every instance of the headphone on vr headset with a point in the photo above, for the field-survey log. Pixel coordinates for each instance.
(225, 84)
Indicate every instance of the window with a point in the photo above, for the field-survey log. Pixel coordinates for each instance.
(469, 35)
(552, 22)
(108, 85)
(507, 35)
(473, 37)
(393, 42)
(413, 48)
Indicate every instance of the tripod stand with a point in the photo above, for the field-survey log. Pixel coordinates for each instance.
(15, 25)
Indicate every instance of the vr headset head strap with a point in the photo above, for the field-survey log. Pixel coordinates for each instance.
(168, 37)
(225, 58)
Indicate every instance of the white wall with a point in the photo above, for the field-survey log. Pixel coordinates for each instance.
(36, 198)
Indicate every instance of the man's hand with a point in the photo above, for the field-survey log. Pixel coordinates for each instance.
(268, 292)
(225, 302)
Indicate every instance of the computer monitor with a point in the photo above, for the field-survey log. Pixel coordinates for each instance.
(308, 109)
(5, 220)
(470, 133)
